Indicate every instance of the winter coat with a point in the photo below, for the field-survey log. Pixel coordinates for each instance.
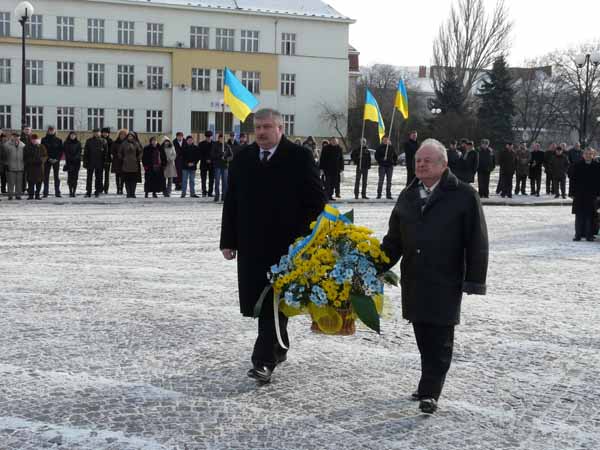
(108, 154)
(329, 162)
(117, 162)
(153, 158)
(130, 154)
(14, 156)
(361, 157)
(204, 151)
(170, 170)
(410, 150)
(467, 166)
(536, 163)
(179, 152)
(220, 159)
(392, 157)
(487, 160)
(54, 146)
(523, 160)
(267, 207)
(73, 154)
(454, 157)
(575, 155)
(560, 166)
(444, 250)
(508, 162)
(94, 153)
(586, 187)
(35, 157)
(190, 155)
(548, 157)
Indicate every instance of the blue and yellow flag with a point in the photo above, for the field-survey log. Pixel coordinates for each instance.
(373, 113)
(402, 99)
(237, 97)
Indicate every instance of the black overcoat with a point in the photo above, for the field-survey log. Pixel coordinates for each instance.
(467, 166)
(267, 206)
(444, 250)
(330, 159)
(586, 187)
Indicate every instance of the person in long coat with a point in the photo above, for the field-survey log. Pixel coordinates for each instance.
(130, 153)
(94, 155)
(154, 163)
(535, 168)
(523, 161)
(274, 194)
(117, 163)
(170, 170)
(330, 165)
(487, 164)
(35, 157)
(410, 149)
(386, 158)
(178, 144)
(585, 178)
(439, 230)
(362, 158)
(14, 161)
(548, 157)
(72, 162)
(559, 168)
(508, 166)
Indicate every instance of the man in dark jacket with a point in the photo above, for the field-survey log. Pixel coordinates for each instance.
(329, 164)
(410, 149)
(438, 229)
(206, 169)
(386, 157)
(548, 157)
(54, 147)
(108, 160)
(487, 164)
(94, 156)
(468, 164)
(535, 168)
(454, 156)
(362, 158)
(190, 155)
(508, 166)
(575, 155)
(559, 167)
(585, 178)
(274, 194)
(178, 144)
(221, 155)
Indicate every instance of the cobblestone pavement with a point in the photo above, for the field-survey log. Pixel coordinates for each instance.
(120, 330)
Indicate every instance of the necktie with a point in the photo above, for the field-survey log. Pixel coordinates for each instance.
(265, 156)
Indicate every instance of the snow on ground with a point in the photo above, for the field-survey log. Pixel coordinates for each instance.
(120, 330)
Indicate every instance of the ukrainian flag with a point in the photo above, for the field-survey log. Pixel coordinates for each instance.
(402, 99)
(237, 97)
(373, 113)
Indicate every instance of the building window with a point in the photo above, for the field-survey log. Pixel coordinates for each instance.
(200, 79)
(155, 77)
(95, 118)
(65, 118)
(288, 84)
(65, 28)
(4, 24)
(125, 119)
(34, 115)
(5, 117)
(95, 30)
(4, 71)
(225, 37)
(288, 44)
(249, 42)
(154, 121)
(228, 122)
(288, 124)
(199, 37)
(33, 28)
(125, 76)
(96, 75)
(65, 73)
(251, 80)
(34, 72)
(125, 31)
(199, 121)
(155, 34)
(220, 80)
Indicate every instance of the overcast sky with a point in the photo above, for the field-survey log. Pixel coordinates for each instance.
(402, 32)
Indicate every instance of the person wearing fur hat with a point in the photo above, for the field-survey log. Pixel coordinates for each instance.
(35, 157)
(170, 169)
(130, 153)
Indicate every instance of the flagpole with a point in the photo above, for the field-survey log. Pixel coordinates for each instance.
(223, 104)
(362, 136)
(387, 146)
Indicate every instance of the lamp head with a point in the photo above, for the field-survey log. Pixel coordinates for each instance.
(24, 10)
(580, 60)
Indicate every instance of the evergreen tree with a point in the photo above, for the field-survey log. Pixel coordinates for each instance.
(497, 105)
(450, 97)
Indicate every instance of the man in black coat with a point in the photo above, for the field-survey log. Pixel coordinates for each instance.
(55, 149)
(454, 156)
(386, 157)
(575, 155)
(585, 177)
(362, 158)
(508, 167)
(438, 229)
(206, 169)
(274, 194)
(468, 164)
(105, 133)
(178, 144)
(329, 163)
(548, 157)
(94, 155)
(487, 164)
(535, 168)
(559, 167)
(410, 149)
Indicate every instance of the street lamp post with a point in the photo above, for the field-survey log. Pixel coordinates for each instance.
(23, 11)
(582, 61)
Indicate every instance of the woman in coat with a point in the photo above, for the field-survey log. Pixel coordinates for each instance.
(154, 163)
(117, 163)
(170, 169)
(72, 148)
(35, 157)
(130, 153)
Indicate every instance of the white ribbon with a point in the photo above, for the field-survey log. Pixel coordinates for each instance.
(276, 316)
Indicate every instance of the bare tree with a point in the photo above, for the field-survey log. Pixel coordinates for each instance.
(468, 43)
(336, 118)
(380, 76)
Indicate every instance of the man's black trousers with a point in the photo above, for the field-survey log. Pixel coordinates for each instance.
(267, 351)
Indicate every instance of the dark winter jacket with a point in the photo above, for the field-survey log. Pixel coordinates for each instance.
(54, 146)
(73, 154)
(108, 155)
(487, 160)
(523, 160)
(153, 155)
(548, 157)
(575, 155)
(536, 163)
(454, 157)
(130, 154)
(331, 155)
(267, 207)
(190, 155)
(35, 156)
(380, 155)
(467, 166)
(410, 150)
(361, 157)
(205, 149)
(117, 163)
(560, 165)
(444, 250)
(508, 162)
(586, 187)
(220, 159)
(94, 153)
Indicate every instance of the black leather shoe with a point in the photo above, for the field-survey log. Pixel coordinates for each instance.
(428, 405)
(260, 373)
(577, 238)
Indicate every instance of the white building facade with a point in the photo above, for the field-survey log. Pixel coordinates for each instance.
(156, 66)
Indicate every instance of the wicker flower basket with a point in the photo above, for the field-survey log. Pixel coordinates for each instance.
(348, 324)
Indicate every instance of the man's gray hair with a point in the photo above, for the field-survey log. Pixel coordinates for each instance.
(267, 113)
(437, 146)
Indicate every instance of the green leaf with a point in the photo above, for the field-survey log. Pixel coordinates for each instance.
(390, 277)
(349, 215)
(261, 300)
(366, 311)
